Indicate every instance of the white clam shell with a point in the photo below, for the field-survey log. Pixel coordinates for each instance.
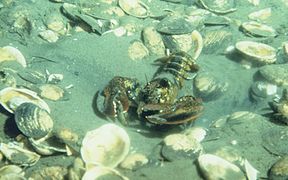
(259, 52)
(11, 98)
(8, 53)
(107, 145)
(214, 167)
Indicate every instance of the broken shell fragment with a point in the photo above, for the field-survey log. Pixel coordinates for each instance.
(134, 8)
(53, 172)
(70, 138)
(19, 155)
(33, 121)
(49, 35)
(258, 53)
(134, 161)
(257, 29)
(137, 50)
(52, 92)
(11, 98)
(9, 53)
(107, 145)
(56, 23)
(214, 167)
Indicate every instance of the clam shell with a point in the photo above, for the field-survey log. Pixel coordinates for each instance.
(33, 121)
(276, 74)
(48, 145)
(219, 6)
(214, 167)
(174, 25)
(257, 29)
(107, 145)
(9, 53)
(56, 23)
(11, 169)
(180, 146)
(137, 50)
(257, 52)
(279, 170)
(153, 41)
(261, 90)
(285, 48)
(198, 133)
(208, 87)
(99, 172)
(216, 41)
(261, 15)
(19, 155)
(134, 8)
(11, 98)
(275, 141)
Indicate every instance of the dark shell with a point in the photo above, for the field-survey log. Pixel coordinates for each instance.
(33, 121)
(220, 7)
(275, 141)
(174, 25)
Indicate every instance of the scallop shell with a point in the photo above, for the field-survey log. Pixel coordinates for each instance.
(215, 41)
(257, 29)
(11, 98)
(134, 8)
(257, 52)
(107, 145)
(33, 121)
(9, 53)
(19, 155)
(219, 6)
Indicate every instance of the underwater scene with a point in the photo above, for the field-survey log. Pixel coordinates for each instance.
(143, 89)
